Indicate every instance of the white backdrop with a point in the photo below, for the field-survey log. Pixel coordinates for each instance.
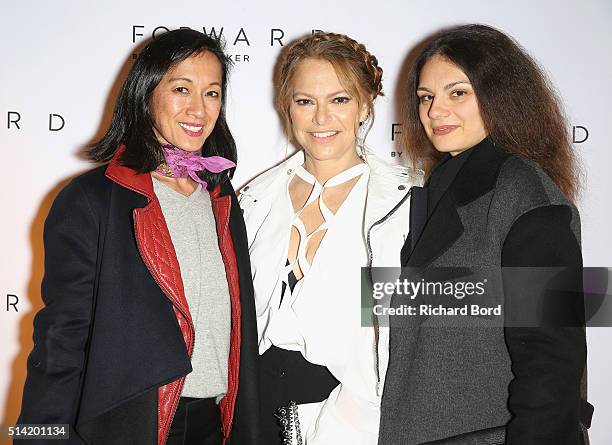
(63, 61)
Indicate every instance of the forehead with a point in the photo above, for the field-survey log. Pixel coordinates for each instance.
(199, 67)
(440, 70)
(316, 76)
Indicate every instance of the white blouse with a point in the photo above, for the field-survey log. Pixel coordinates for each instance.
(321, 317)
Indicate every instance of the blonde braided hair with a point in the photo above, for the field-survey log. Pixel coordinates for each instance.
(356, 68)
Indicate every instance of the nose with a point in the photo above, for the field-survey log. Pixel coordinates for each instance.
(196, 106)
(321, 116)
(437, 109)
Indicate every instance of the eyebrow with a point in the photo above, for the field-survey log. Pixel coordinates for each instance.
(185, 79)
(174, 79)
(299, 93)
(446, 87)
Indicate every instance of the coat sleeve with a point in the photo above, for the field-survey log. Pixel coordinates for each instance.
(547, 361)
(55, 366)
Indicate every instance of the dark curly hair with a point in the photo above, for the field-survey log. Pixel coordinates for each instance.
(519, 107)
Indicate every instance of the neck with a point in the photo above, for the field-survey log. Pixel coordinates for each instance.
(184, 186)
(323, 170)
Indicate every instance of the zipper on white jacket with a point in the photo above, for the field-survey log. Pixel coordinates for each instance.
(370, 262)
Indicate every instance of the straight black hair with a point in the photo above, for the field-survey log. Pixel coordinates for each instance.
(132, 121)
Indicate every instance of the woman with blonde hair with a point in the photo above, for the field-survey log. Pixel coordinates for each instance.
(313, 222)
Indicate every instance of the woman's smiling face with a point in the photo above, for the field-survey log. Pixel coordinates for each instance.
(324, 116)
(186, 103)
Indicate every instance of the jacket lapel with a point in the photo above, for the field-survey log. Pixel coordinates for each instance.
(440, 232)
(153, 239)
(477, 177)
(387, 187)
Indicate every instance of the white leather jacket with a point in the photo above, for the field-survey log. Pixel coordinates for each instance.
(337, 340)
(385, 226)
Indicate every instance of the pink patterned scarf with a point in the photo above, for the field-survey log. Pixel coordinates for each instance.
(185, 164)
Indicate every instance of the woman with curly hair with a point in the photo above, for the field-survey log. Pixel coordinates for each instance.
(489, 131)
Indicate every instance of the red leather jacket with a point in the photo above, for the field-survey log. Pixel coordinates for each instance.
(158, 254)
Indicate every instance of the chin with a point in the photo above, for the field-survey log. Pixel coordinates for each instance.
(327, 152)
(447, 146)
(448, 149)
(190, 145)
(322, 155)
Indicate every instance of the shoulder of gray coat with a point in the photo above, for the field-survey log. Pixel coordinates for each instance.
(525, 180)
(522, 185)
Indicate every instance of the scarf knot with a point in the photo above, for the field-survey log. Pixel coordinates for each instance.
(185, 164)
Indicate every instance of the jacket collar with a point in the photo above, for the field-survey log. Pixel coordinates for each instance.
(477, 177)
(128, 178)
(387, 184)
(141, 182)
(479, 173)
(272, 180)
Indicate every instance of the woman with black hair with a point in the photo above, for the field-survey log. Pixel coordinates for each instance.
(486, 126)
(148, 329)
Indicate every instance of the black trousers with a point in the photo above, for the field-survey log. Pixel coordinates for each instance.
(285, 376)
(196, 422)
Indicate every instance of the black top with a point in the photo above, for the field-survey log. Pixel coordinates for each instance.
(292, 279)
(443, 174)
(424, 199)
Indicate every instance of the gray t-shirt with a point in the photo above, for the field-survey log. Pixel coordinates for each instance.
(191, 224)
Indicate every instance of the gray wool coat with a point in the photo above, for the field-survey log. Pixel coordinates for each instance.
(448, 383)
